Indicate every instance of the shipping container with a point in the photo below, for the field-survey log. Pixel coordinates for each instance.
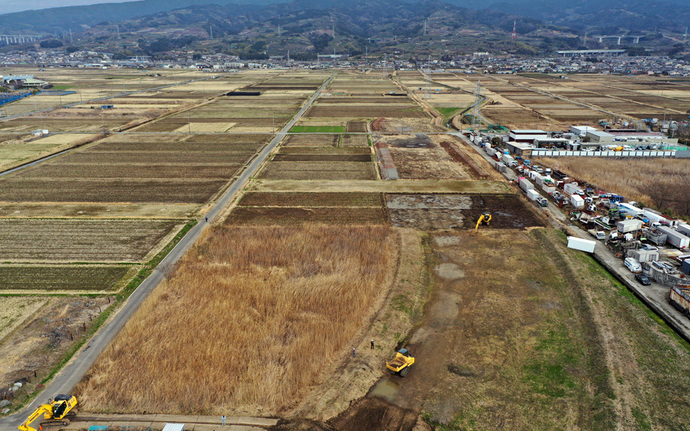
(631, 225)
(525, 184)
(573, 189)
(585, 245)
(683, 228)
(548, 189)
(675, 238)
(577, 202)
(657, 237)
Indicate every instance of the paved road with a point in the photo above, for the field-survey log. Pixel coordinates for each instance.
(73, 372)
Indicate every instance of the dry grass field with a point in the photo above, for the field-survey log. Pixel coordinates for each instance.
(246, 323)
(658, 182)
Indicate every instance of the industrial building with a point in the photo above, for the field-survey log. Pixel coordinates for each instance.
(527, 136)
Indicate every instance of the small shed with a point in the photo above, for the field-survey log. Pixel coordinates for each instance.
(644, 255)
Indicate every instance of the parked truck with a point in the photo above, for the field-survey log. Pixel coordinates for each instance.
(525, 184)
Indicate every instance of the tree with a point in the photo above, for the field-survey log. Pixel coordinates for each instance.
(51, 43)
(71, 49)
(320, 41)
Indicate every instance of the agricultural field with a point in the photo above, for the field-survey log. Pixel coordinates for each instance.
(355, 98)
(314, 303)
(97, 219)
(542, 102)
(62, 278)
(319, 255)
(15, 152)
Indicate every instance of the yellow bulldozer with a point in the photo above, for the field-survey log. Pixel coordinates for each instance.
(483, 219)
(54, 413)
(401, 363)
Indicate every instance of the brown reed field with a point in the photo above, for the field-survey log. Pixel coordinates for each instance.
(657, 182)
(247, 323)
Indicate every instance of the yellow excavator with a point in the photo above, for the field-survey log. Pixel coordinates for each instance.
(401, 363)
(54, 413)
(483, 219)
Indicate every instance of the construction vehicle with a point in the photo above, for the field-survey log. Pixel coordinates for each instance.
(483, 219)
(54, 413)
(401, 363)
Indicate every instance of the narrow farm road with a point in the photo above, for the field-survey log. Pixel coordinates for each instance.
(73, 372)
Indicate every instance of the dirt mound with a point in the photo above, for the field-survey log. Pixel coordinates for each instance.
(418, 141)
(371, 413)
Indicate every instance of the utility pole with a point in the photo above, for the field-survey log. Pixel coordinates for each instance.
(117, 26)
(425, 27)
(385, 66)
(71, 41)
(211, 31)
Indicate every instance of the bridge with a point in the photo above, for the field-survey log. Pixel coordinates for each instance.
(13, 39)
(635, 39)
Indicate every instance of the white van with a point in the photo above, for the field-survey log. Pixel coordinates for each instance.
(633, 265)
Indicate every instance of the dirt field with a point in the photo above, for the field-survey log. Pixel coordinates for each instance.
(110, 190)
(297, 295)
(421, 157)
(60, 278)
(278, 170)
(81, 240)
(301, 199)
(430, 212)
(529, 345)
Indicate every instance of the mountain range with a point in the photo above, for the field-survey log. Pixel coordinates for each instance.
(271, 27)
(619, 15)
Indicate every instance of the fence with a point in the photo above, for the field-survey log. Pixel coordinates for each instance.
(636, 153)
(9, 98)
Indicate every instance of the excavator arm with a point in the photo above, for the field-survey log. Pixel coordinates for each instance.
(483, 219)
(45, 409)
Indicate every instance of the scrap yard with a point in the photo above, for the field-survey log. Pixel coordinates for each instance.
(345, 249)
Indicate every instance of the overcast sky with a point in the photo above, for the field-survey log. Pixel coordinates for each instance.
(8, 6)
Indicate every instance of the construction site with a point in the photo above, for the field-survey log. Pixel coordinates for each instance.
(339, 250)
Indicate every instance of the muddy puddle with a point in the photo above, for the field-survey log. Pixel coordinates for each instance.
(386, 388)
